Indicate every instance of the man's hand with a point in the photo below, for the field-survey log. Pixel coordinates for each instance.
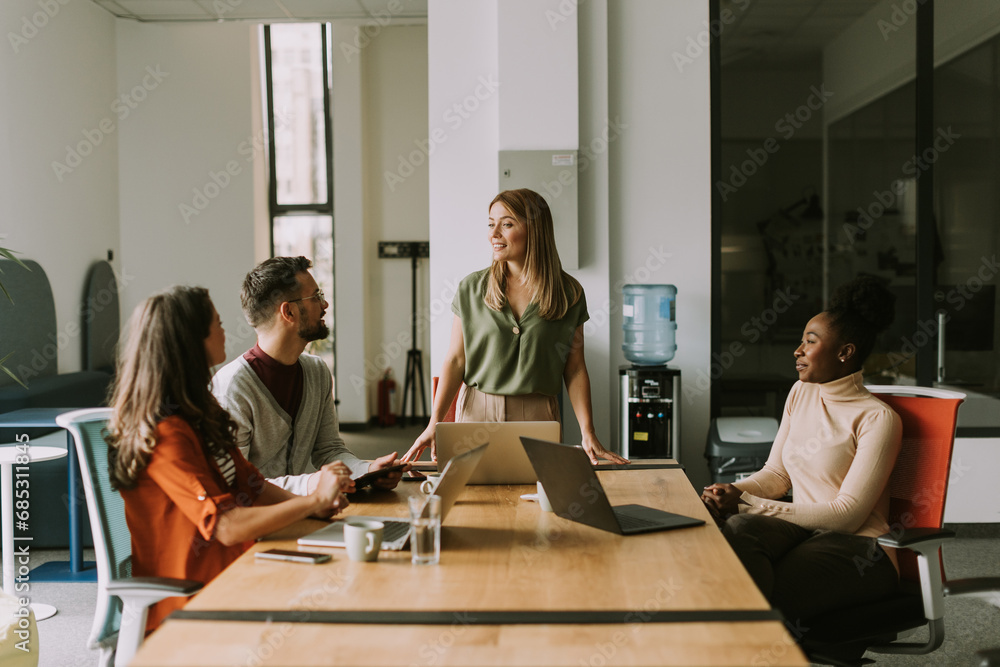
(390, 480)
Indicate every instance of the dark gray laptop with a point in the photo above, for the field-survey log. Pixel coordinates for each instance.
(575, 493)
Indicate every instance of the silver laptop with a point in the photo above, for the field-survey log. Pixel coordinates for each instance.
(397, 530)
(505, 462)
(576, 494)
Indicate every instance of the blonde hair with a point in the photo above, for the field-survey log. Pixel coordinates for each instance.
(550, 287)
(163, 370)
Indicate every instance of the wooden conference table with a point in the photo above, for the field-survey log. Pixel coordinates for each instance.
(515, 586)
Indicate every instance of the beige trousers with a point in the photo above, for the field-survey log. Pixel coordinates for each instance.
(476, 406)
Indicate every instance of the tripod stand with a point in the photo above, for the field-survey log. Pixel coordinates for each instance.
(414, 358)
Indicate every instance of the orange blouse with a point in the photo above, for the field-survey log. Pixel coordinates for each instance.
(172, 510)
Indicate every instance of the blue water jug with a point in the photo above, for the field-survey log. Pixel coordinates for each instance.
(649, 320)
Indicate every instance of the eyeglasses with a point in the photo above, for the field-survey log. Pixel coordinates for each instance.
(318, 295)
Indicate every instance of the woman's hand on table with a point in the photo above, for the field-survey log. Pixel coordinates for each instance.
(332, 482)
(423, 441)
(596, 451)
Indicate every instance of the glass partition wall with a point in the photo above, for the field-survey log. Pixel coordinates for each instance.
(872, 217)
(813, 191)
(872, 181)
(967, 206)
(777, 264)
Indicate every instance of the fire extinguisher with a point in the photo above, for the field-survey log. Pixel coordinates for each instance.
(386, 397)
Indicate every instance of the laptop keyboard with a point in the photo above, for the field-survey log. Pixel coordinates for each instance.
(629, 522)
(394, 530)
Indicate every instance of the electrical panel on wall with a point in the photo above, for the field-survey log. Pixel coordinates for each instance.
(552, 174)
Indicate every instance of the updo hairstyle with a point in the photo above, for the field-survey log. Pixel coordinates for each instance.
(859, 311)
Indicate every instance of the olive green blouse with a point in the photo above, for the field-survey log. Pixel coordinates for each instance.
(507, 357)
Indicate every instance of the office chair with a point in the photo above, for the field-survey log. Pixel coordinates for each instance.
(917, 489)
(122, 600)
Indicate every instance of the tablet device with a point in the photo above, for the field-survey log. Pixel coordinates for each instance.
(369, 477)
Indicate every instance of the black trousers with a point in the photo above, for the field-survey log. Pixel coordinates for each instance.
(806, 572)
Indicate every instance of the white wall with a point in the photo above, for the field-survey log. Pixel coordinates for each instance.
(537, 61)
(660, 199)
(396, 144)
(539, 94)
(188, 144)
(200, 120)
(645, 197)
(461, 52)
(972, 491)
(500, 76)
(58, 84)
(878, 52)
(351, 301)
(593, 274)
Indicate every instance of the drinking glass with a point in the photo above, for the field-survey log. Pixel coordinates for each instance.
(425, 530)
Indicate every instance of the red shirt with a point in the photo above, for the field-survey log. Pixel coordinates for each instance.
(284, 382)
(172, 510)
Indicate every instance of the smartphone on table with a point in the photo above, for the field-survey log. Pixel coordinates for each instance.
(293, 556)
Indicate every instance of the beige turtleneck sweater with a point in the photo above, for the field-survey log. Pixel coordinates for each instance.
(836, 446)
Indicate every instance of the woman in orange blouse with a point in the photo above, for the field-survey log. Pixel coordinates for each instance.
(192, 502)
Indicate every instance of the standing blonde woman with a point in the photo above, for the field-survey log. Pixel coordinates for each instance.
(192, 502)
(518, 331)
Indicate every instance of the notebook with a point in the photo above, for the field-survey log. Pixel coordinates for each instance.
(397, 530)
(575, 493)
(505, 462)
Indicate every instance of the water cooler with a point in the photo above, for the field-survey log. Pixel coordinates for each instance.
(650, 391)
(649, 409)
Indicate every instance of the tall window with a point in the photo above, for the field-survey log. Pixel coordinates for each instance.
(300, 154)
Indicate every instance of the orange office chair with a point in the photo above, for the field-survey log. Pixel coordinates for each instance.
(450, 416)
(917, 490)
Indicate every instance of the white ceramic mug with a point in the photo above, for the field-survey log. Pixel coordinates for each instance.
(543, 500)
(363, 539)
(429, 485)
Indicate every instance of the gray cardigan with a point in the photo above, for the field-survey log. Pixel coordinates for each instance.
(264, 429)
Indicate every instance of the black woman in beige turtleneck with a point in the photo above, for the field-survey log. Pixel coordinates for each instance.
(836, 448)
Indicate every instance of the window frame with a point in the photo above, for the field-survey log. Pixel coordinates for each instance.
(277, 210)
(274, 208)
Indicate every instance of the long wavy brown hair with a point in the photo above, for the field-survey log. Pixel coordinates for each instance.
(163, 371)
(551, 288)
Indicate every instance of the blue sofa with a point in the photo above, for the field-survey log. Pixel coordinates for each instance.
(28, 330)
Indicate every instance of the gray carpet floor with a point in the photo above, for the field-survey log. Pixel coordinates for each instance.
(971, 624)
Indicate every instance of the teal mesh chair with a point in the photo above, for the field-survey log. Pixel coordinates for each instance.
(122, 600)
